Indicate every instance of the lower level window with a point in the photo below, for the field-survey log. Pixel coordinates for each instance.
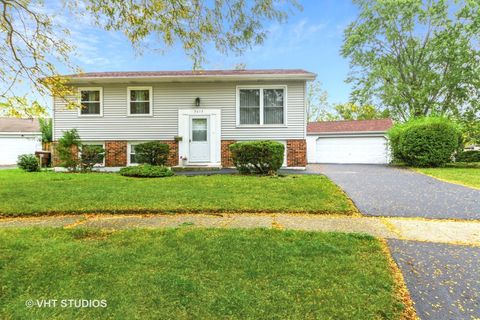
(132, 154)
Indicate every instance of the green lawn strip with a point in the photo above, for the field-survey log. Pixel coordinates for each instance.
(189, 273)
(40, 193)
(464, 176)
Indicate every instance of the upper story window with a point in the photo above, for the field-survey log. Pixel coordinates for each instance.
(91, 101)
(139, 101)
(261, 106)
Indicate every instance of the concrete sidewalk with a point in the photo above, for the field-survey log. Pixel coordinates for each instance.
(417, 229)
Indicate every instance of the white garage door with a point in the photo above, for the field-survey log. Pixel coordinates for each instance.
(12, 147)
(351, 150)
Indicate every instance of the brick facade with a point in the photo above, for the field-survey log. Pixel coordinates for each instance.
(115, 153)
(173, 155)
(296, 153)
(226, 156)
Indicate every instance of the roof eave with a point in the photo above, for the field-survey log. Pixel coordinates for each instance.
(347, 132)
(193, 78)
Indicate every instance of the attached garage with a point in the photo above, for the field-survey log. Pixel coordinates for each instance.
(361, 141)
(18, 136)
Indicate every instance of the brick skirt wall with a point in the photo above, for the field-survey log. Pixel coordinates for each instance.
(116, 153)
(226, 155)
(173, 155)
(296, 153)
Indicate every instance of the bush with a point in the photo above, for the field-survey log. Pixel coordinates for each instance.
(260, 157)
(468, 156)
(67, 149)
(146, 171)
(28, 162)
(425, 142)
(154, 153)
(91, 155)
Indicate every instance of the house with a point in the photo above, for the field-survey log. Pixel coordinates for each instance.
(358, 141)
(18, 136)
(198, 113)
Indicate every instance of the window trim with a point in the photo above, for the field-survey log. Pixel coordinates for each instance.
(150, 101)
(80, 89)
(129, 150)
(261, 88)
(95, 143)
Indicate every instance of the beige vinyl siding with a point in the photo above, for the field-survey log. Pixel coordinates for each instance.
(168, 98)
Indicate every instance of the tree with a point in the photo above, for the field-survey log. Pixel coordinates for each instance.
(416, 57)
(316, 100)
(351, 111)
(32, 46)
(35, 46)
(67, 149)
(46, 127)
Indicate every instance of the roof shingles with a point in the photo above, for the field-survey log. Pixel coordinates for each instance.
(189, 73)
(378, 125)
(19, 125)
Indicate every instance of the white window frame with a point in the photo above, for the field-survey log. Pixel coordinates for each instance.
(129, 151)
(100, 89)
(96, 143)
(150, 101)
(261, 88)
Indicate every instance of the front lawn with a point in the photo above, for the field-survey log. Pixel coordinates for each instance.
(465, 176)
(195, 274)
(23, 193)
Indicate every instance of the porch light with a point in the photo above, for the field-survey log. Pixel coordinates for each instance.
(197, 102)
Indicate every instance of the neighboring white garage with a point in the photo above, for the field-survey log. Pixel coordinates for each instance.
(359, 141)
(18, 136)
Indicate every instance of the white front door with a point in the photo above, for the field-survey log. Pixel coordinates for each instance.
(199, 139)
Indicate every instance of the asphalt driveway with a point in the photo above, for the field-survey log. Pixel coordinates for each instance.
(443, 279)
(379, 190)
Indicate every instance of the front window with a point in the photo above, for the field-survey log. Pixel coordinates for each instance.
(91, 101)
(249, 106)
(140, 100)
(261, 106)
(273, 106)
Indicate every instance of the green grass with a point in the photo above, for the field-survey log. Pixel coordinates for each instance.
(196, 274)
(39, 193)
(465, 176)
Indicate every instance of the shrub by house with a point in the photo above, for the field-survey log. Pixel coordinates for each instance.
(154, 153)
(259, 157)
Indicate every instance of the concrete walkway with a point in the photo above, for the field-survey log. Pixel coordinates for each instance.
(417, 229)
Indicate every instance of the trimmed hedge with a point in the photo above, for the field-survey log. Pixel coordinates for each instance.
(154, 153)
(425, 142)
(258, 157)
(146, 171)
(28, 162)
(468, 156)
